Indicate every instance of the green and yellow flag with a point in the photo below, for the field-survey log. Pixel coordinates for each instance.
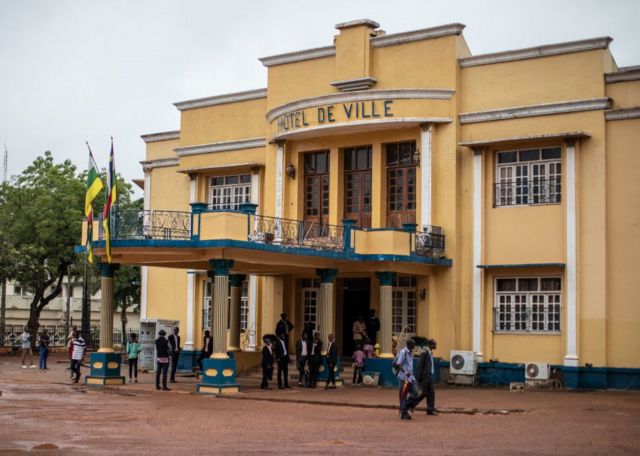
(110, 201)
(94, 186)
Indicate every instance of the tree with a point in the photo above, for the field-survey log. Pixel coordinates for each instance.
(40, 215)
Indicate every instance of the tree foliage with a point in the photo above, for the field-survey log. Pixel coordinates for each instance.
(40, 214)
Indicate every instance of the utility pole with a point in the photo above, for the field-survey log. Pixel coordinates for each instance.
(85, 329)
(3, 284)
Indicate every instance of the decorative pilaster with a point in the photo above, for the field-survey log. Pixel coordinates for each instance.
(425, 173)
(234, 319)
(326, 308)
(386, 279)
(476, 313)
(191, 309)
(571, 355)
(279, 189)
(144, 270)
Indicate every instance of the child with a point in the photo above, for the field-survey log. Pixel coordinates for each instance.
(133, 350)
(368, 348)
(358, 364)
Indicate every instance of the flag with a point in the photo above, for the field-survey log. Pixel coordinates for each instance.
(94, 186)
(109, 202)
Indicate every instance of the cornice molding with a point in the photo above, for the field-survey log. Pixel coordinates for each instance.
(224, 146)
(350, 85)
(417, 35)
(357, 22)
(221, 99)
(425, 94)
(482, 143)
(298, 56)
(622, 114)
(535, 110)
(148, 165)
(537, 51)
(624, 74)
(399, 122)
(162, 136)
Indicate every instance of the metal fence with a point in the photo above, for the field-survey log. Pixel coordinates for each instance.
(298, 233)
(149, 224)
(430, 242)
(11, 337)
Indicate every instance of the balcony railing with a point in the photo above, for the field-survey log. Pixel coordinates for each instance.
(137, 224)
(528, 190)
(298, 233)
(430, 242)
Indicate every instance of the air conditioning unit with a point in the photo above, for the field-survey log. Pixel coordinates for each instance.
(536, 371)
(462, 363)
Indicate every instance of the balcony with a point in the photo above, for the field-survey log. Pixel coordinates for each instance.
(179, 238)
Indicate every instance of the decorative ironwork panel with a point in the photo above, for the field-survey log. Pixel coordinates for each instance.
(430, 242)
(150, 224)
(297, 233)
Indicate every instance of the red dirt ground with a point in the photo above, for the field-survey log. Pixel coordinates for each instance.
(43, 409)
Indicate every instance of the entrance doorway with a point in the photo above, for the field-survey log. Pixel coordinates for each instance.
(356, 294)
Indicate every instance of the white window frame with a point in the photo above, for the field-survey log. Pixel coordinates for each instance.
(405, 307)
(229, 196)
(310, 297)
(206, 304)
(530, 300)
(517, 182)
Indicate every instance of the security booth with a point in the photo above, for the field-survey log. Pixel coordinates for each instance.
(149, 330)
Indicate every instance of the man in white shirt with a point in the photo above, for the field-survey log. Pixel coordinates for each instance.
(282, 358)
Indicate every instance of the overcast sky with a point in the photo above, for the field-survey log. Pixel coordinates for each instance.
(76, 70)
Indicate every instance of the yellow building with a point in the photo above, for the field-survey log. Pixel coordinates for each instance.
(359, 159)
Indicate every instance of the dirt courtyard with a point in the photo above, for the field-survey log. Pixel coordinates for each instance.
(43, 409)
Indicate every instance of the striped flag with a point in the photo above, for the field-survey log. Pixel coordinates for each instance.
(94, 186)
(110, 201)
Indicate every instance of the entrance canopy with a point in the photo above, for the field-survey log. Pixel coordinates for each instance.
(265, 245)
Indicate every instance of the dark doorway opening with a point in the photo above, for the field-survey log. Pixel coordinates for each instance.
(356, 301)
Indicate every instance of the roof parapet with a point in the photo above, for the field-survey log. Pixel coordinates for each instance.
(221, 99)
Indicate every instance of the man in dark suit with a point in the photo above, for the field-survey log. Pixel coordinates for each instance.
(373, 326)
(302, 356)
(332, 360)
(282, 358)
(174, 343)
(284, 327)
(315, 358)
(207, 348)
(267, 363)
(424, 377)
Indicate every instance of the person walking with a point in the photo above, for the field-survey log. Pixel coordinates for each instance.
(163, 354)
(315, 358)
(373, 326)
(284, 327)
(72, 337)
(403, 367)
(332, 360)
(207, 348)
(133, 350)
(26, 348)
(44, 349)
(424, 377)
(302, 356)
(267, 363)
(79, 348)
(358, 364)
(174, 343)
(282, 359)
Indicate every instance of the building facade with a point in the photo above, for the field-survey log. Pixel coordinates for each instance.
(486, 201)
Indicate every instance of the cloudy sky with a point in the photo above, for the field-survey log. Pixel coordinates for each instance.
(76, 70)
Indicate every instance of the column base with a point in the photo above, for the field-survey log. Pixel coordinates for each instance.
(187, 360)
(219, 377)
(571, 360)
(104, 369)
(323, 372)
